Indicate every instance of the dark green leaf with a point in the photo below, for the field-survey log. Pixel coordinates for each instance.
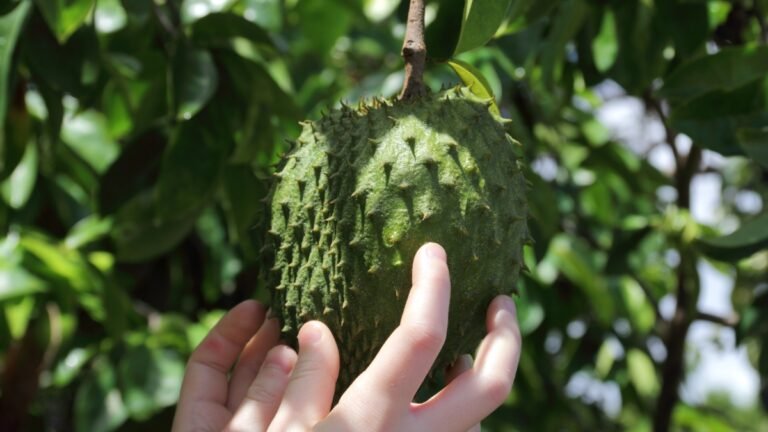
(8, 5)
(475, 81)
(218, 29)
(442, 34)
(727, 70)
(712, 120)
(140, 234)
(755, 144)
(150, 380)
(135, 170)
(191, 168)
(748, 239)
(480, 21)
(10, 28)
(65, 17)
(98, 404)
(194, 81)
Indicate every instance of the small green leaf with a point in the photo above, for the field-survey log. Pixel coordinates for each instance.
(748, 239)
(71, 366)
(730, 68)
(606, 357)
(378, 10)
(110, 16)
(15, 282)
(642, 373)
(474, 80)
(754, 141)
(480, 21)
(194, 81)
(65, 17)
(640, 311)
(150, 380)
(606, 46)
(17, 188)
(87, 133)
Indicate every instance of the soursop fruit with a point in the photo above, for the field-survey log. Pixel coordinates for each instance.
(364, 188)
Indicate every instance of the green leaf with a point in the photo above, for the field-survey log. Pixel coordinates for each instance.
(730, 68)
(87, 133)
(480, 21)
(570, 16)
(110, 16)
(10, 28)
(442, 34)
(64, 17)
(574, 258)
(140, 235)
(17, 188)
(98, 405)
(378, 10)
(15, 282)
(639, 309)
(754, 141)
(712, 120)
(642, 373)
(605, 359)
(606, 46)
(71, 366)
(751, 237)
(194, 81)
(8, 5)
(474, 80)
(150, 380)
(192, 10)
(218, 29)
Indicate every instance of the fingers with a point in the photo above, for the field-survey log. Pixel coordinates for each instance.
(264, 394)
(487, 384)
(206, 376)
(407, 355)
(309, 394)
(205, 381)
(250, 362)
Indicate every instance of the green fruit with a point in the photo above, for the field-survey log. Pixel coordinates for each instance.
(364, 189)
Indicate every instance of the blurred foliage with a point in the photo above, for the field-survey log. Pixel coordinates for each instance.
(135, 137)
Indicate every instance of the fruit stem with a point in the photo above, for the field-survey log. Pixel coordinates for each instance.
(414, 53)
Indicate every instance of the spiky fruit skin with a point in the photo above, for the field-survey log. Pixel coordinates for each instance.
(364, 189)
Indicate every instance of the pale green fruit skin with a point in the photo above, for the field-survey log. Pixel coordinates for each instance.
(364, 189)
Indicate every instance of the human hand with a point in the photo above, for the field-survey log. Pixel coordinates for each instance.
(291, 393)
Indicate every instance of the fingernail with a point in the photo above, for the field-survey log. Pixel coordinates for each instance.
(506, 308)
(310, 333)
(275, 359)
(434, 251)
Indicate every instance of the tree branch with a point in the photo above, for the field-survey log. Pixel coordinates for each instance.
(688, 282)
(414, 53)
(727, 321)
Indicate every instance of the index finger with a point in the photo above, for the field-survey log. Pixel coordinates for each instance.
(406, 357)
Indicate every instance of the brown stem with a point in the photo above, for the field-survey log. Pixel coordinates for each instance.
(726, 321)
(414, 53)
(673, 369)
